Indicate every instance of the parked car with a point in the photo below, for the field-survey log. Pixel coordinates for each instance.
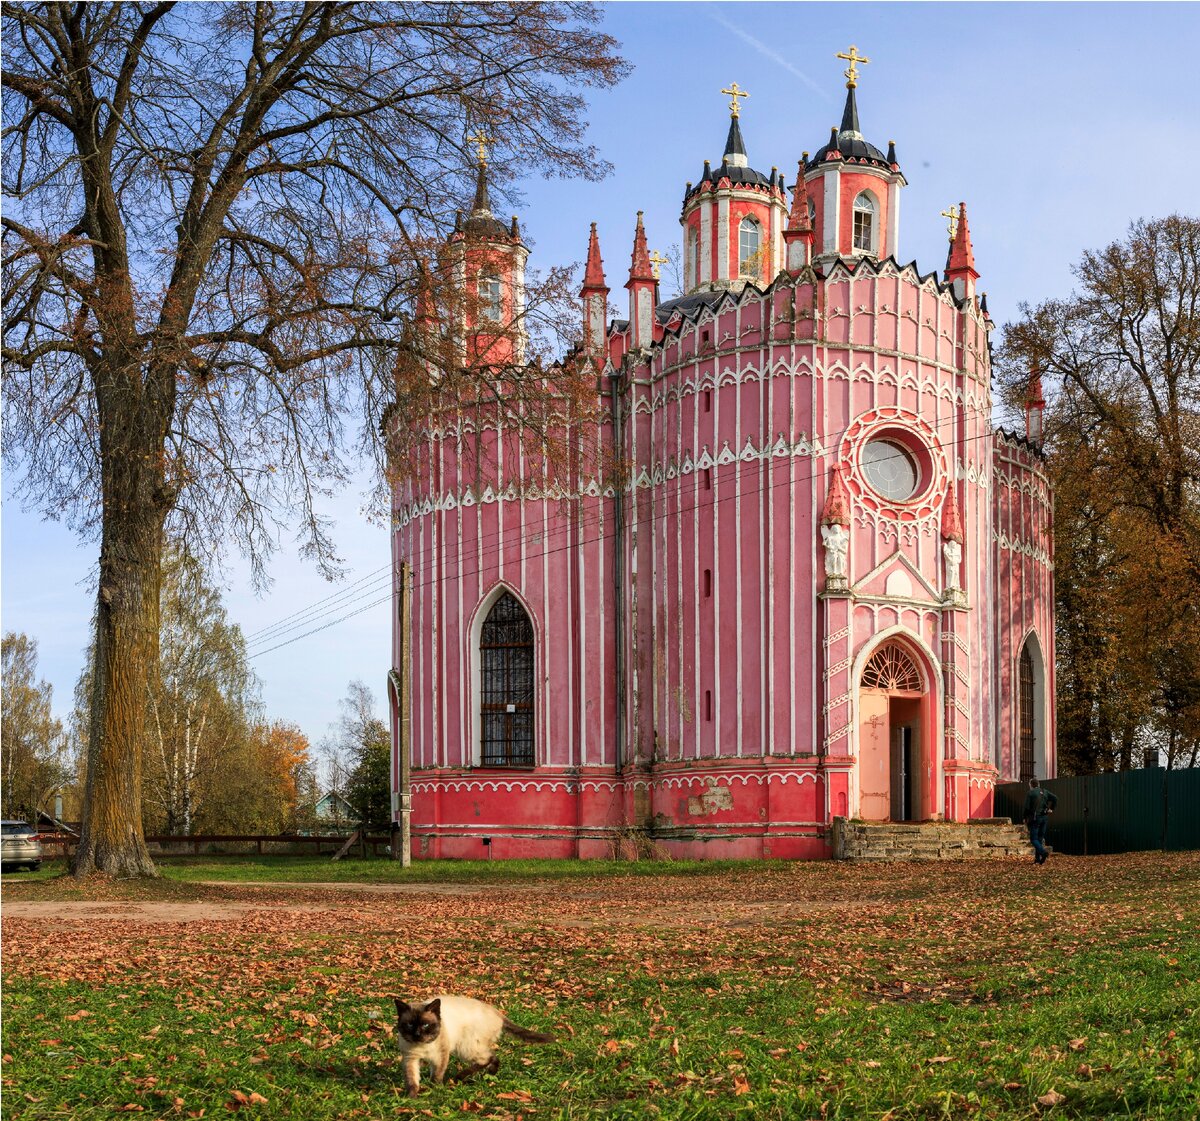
(19, 846)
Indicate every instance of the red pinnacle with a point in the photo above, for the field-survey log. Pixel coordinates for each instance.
(952, 529)
(962, 257)
(593, 274)
(640, 267)
(837, 501)
(799, 221)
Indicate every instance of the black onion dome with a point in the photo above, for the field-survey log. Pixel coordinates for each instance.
(849, 141)
(481, 222)
(737, 175)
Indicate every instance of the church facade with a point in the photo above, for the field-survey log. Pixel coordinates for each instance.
(813, 579)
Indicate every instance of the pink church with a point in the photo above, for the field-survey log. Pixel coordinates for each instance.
(819, 584)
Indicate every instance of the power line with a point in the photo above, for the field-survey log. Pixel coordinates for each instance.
(562, 530)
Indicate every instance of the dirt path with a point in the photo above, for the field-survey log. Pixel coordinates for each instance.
(228, 910)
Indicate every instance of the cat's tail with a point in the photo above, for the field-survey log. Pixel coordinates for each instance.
(525, 1034)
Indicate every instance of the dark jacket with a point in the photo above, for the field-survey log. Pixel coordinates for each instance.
(1039, 802)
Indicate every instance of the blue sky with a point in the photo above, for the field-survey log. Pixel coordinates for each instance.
(1057, 123)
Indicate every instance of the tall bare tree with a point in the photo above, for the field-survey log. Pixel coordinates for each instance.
(209, 235)
(1122, 356)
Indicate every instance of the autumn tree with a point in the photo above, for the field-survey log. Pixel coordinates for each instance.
(212, 218)
(201, 704)
(363, 740)
(1122, 358)
(35, 758)
(264, 778)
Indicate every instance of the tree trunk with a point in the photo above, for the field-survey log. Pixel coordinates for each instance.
(127, 630)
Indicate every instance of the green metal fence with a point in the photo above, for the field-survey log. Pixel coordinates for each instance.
(1123, 811)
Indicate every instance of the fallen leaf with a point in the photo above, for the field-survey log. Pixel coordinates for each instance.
(1083, 1071)
(872, 1063)
(1014, 1085)
(1052, 1098)
(516, 1096)
(940, 1059)
(1078, 1044)
(741, 1085)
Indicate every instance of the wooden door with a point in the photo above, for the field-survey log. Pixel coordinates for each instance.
(874, 756)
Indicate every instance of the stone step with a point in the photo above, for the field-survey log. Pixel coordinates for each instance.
(994, 838)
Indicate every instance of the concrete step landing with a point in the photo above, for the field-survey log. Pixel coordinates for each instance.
(985, 839)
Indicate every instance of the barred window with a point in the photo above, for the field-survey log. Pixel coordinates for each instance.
(506, 676)
(1025, 677)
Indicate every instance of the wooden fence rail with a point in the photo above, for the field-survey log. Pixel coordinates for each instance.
(64, 843)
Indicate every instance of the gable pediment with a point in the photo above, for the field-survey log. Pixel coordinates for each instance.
(896, 577)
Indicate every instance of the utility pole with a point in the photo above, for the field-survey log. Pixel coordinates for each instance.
(404, 714)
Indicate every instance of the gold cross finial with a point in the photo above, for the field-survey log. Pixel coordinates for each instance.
(657, 261)
(952, 215)
(735, 93)
(481, 141)
(853, 58)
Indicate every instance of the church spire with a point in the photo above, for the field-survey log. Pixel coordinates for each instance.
(850, 129)
(735, 146)
(960, 268)
(482, 204)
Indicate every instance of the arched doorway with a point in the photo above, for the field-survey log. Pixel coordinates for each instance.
(506, 672)
(893, 759)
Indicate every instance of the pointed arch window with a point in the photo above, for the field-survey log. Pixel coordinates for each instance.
(892, 669)
(865, 225)
(749, 245)
(1028, 760)
(693, 257)
(490, 306)
(506, 685)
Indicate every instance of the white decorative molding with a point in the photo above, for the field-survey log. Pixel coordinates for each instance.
(1023, 548)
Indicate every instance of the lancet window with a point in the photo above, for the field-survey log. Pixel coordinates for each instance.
(1025, 715)
(506, 683)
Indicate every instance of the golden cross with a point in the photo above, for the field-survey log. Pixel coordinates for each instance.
(481, 142)
(952, 215)
(735, 93)
(852, 74)
(657, 261)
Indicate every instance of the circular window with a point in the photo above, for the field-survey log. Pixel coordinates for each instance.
(891, 469)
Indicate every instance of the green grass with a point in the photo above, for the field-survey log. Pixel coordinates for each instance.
(783, 991)
(352, 869)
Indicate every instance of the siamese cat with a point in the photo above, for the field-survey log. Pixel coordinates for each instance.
(433, 1030)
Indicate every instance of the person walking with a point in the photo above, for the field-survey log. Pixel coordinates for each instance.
(1039, 804)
